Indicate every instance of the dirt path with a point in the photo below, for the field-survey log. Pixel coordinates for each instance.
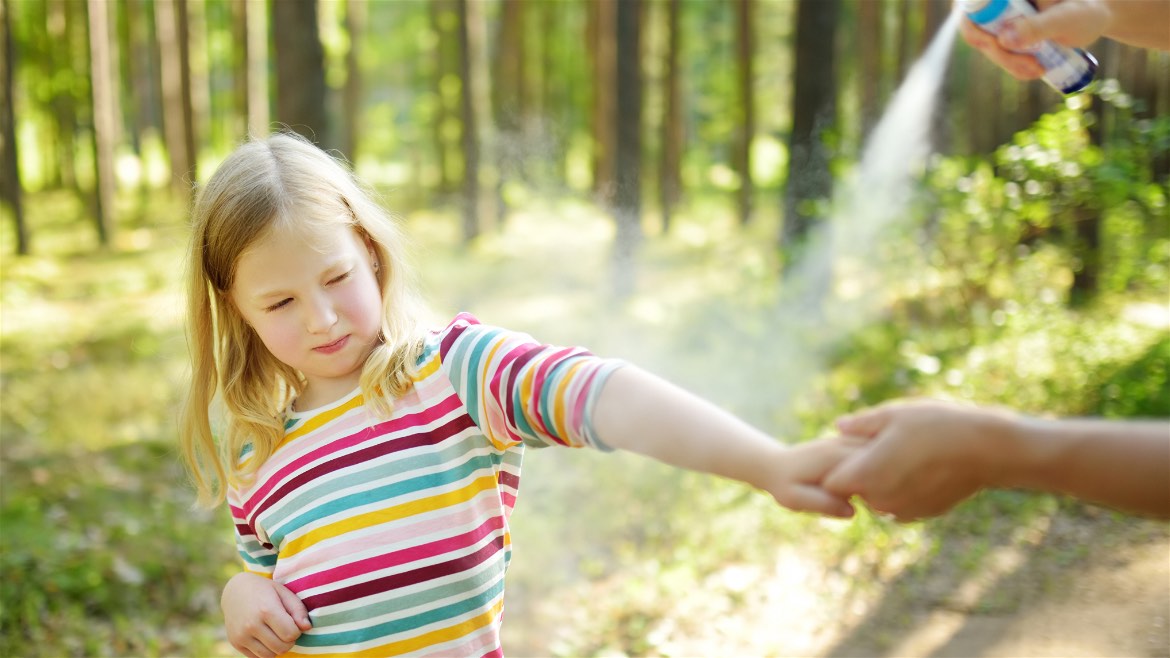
(1079, 582)
(1096, 585)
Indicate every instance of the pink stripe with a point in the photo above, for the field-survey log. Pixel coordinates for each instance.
(577, 411)
(398, 558)
(293, 567)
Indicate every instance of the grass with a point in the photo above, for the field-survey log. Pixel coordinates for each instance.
(100, 553)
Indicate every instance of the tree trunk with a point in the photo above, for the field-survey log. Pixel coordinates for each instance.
(903, 40)
(61, 25)
(601, 24)
(355, 27)
(470, 134)
(257, 68)
(627, 198)
(12, 192)
(443, 113)
(743, 149)
(198, 84)
(239, 28)
(300, 70)
(102, 87)
(507, 82)
(178, 126)
(934, 14)
(143, 71)
(669, 173)
(1086, 219)
(869, 67)
(984, 105)
(814, 109)
(1159, 68)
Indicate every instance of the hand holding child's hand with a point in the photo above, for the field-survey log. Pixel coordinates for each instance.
(924, 457)
(263, 618)
(802, 468)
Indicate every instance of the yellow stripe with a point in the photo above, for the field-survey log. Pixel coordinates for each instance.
(427, 369)
(262, 574)
(322, 418)
(414, 644)
(558, 424)
(485, 394)
(377, 517)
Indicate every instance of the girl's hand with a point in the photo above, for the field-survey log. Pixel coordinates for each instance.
(263, 618)
(801, 469)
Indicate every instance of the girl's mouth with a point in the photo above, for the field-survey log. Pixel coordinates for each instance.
(332, 347)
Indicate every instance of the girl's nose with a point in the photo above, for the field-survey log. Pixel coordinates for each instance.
(321, 316)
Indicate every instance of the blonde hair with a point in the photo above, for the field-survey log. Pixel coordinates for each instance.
(277, 183)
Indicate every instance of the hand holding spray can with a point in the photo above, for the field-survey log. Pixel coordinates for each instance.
(1068, 70)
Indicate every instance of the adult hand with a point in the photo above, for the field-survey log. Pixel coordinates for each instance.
(1074, 23)
(923, 458)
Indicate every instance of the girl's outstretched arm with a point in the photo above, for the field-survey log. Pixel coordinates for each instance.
(263, 618)
(642, 413)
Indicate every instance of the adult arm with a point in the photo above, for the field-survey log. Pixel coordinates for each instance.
(926, 456)
(639, 412)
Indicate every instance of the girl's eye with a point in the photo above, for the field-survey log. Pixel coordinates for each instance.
(278, 305)
(340, 278)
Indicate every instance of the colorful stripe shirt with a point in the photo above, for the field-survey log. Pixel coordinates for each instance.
(394, 532)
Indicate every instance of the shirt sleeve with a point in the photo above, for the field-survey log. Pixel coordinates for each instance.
(520, 391)
(259, 557)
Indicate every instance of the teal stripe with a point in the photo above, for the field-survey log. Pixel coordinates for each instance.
(266, 561)
(481, 601)
(328, 486)
(361, 498)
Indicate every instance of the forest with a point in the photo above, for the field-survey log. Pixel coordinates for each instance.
(748, 197)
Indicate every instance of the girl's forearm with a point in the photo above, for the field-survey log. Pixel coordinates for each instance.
(642, 413)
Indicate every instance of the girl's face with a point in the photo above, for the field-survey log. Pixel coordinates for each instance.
(315, 304)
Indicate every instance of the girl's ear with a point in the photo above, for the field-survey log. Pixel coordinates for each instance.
(369, 242)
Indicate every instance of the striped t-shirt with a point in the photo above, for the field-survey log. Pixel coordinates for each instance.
(394, 532)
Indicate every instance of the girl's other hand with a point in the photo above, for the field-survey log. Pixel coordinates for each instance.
(263, 618)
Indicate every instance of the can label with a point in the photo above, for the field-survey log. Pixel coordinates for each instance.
(1068, 70)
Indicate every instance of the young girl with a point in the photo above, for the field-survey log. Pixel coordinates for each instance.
(370, 466)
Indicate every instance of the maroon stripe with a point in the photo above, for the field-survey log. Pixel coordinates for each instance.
(395, 581)
(513, 370)
(454, 331)
(380, 449)
(508, 479)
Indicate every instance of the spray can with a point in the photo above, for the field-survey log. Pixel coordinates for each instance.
(1067, 70)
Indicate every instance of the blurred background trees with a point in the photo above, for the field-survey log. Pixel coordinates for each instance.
(749, 98)
(546, 154)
